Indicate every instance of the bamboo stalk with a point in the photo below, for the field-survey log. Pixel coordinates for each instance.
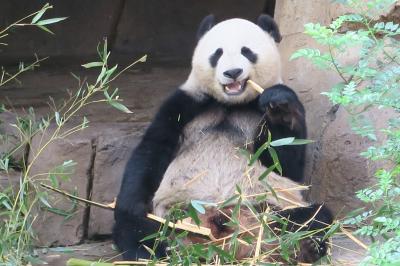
(180, 225)
(200, 230)
(69, 195)
(79, 262)
(349, 235)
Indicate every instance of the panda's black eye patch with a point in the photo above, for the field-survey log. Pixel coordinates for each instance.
(215, 57)
(249, 54)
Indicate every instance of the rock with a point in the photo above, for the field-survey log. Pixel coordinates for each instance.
(92, 251)
(9, 180)
(53, 229)
(157, 34)
(75, 38)
(112, 152)
(334, 167)
(339, 170)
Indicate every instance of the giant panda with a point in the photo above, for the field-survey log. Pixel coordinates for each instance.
(190, 150)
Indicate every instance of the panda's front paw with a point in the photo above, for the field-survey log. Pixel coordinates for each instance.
(277, 98)
(281, 105)
(312, 249)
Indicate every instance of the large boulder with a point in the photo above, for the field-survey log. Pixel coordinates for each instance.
(334, 166)
(112, 152)
(52, 228)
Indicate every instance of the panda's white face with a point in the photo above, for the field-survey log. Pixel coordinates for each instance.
(229, 54)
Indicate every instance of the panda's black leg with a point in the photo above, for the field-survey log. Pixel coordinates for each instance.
(145, 170)
(312, 248)
(128, 232)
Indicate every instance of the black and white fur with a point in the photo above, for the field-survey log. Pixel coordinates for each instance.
(191, 149)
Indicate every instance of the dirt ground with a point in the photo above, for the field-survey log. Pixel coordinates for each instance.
(344, 252)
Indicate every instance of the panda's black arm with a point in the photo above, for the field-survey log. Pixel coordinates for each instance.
(144, 172)
(284, 116)
(150, 159)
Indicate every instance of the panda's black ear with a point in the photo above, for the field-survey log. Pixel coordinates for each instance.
(205, 25)
(269, 25)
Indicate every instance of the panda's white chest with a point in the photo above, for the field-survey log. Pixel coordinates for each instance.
(208, 164)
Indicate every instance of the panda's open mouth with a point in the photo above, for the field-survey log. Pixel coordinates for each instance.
(235, 88)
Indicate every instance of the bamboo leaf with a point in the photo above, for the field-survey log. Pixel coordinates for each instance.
(275, 159)
(93, 64)
(331, 231)
(39, 14)
(267, 172)
(197, 205)
(301, 142)
(50, 21)
(45, 29)
(120, 107)
(282, 142)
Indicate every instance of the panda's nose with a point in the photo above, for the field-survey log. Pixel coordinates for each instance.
(233, 73)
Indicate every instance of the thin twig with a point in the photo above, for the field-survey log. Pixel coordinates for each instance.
(355, 239)
(104, 206)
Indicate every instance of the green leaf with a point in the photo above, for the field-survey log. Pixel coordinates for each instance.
(275, 159)
(45, 29)
(50, 21)
(258, 153)
(334, 228)
(229, 201)
(39, 14)
(43, 199)
(120, 107)
(102, 73)
(282, 142)
(109, 73)
(4, 164)
(58, 119)
(271, 189)
(93, 64)
(53, 180)
(301, 142)
(152, 253)
(152, 236)
(193, 214)
(267, 172)
(198, 207)
(222, 253)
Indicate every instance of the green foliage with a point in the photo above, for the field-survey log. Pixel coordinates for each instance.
(35, 20)
(18, 203)
(371, 83)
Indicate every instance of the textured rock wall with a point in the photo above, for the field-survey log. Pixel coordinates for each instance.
(164, 29)
(334, 167)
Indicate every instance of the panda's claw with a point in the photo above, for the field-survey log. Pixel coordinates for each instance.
(312, 249)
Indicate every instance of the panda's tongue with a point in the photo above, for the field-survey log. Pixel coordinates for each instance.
(234, 86)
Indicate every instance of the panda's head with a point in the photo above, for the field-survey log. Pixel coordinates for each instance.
(231, 52)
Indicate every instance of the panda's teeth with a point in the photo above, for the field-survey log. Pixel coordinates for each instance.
(235, 86)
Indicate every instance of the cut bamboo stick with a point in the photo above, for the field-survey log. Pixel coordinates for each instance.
(111, 206)
(255, 86)
(200, 230)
